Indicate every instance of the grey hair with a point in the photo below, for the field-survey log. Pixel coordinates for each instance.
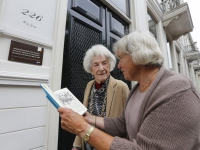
(142, 46)
(98, 50)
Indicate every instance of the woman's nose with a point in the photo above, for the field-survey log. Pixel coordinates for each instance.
(100, 67)
(119, 65)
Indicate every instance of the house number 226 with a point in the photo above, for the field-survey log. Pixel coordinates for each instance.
(31, 14)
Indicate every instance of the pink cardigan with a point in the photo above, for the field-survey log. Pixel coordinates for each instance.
(169, 117)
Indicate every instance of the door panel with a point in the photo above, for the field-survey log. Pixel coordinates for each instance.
(116, 28)
(88, 23)
(82, 38)
(89, 9)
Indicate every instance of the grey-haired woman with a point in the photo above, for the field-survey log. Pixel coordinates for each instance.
(104, 96)
(161, 113)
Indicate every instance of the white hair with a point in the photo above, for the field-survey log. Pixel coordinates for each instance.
(98, 50)
(142, 46)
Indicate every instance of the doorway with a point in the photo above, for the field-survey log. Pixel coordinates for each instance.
(89, 22)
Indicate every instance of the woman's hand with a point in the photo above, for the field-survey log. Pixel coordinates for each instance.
(76, 124)
(94, 120)
(73, 122)
(89, 118)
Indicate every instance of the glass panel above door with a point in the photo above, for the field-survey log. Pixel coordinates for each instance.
(123, 5)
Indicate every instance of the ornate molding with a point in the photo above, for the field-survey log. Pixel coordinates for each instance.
(14, 78)
(177, 11)
(24, 40)
(154, 8)
(20, 39)
(174, 21)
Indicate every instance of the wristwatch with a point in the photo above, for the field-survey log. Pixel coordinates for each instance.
(86, 136)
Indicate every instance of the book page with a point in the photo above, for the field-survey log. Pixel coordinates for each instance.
(52, 97)
(70, 101)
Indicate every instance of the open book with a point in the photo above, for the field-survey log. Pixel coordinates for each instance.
(64, 98)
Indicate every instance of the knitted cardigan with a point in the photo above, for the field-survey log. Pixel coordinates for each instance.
(168, 119)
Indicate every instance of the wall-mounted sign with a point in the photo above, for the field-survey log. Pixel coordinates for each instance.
(25, 53)
(31, 20)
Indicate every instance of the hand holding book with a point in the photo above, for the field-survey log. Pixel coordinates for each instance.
(64, 98)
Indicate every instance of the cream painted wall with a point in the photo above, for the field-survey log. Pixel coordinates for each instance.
(24, 108)
(22, 101)
(162, 40)
(139, 15)
(51, 140)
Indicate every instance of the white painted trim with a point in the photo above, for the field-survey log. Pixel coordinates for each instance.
(27, 41)
(173, 56)
(162, 41)
(181, 56)
(52, 126)
(116, 10)
(154, 9)
(186, 67)
(193, 75)
(175, 12)
(139, 15)
(134, 23)
(15, 78)
(36, 41)
(180, 48)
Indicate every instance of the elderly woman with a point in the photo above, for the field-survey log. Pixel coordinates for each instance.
(162, 110)
(104, 96)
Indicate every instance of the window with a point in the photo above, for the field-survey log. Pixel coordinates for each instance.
(152, 25)
(178, 60)
(123, 5)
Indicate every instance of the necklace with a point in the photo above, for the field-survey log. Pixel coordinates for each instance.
(95, 108)
(149, 81)
(91, 105)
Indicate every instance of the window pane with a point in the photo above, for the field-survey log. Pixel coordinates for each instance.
(177, 56)
(152, 25)
(123, 5)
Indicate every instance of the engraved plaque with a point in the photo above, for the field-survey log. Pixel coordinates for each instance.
(25, 53)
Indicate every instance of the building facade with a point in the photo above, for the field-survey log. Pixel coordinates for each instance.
(62, 31)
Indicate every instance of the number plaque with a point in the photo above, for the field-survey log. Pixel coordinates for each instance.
(31, 20)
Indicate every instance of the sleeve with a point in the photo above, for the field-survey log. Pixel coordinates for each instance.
(173, 124)
(77, 141)
(115, 126)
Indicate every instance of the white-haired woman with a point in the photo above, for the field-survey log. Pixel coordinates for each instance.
(162, 111)
(104, 96)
